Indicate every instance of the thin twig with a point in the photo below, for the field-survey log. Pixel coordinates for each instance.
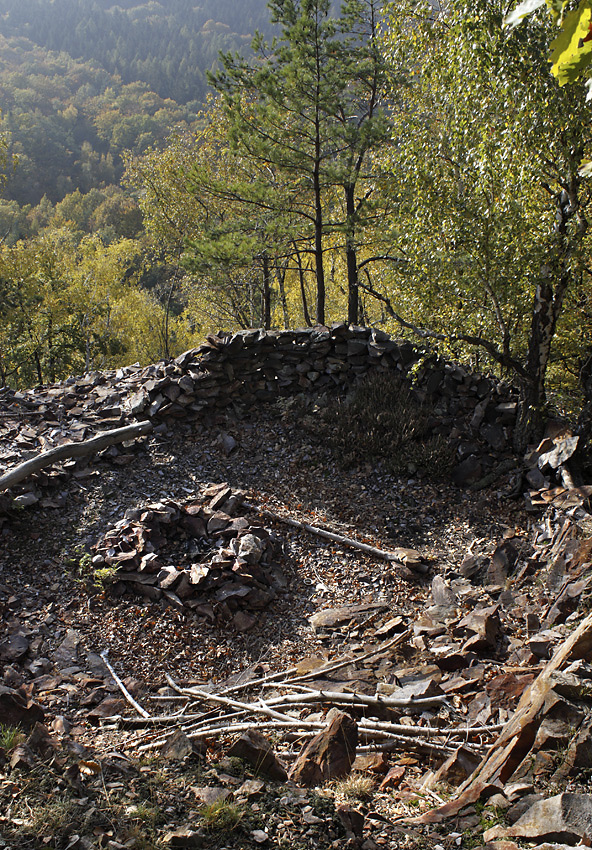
(122, 687)
(284, 677)
(318, 696)
(397, 556)
(313, 674)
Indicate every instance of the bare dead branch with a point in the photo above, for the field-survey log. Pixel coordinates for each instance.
(70, 450)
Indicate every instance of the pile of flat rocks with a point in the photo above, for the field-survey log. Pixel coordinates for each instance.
(203, 556)
(235, 372)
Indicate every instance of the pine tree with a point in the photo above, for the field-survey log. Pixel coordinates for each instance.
(309, 106)
(280, 107)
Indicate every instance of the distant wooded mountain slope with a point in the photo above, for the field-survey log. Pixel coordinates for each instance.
(168, 45)
(67, 122)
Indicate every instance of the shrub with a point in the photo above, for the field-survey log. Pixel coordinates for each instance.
(381, 419)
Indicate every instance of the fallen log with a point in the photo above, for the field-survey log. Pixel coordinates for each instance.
(70, 450)
(402, 557)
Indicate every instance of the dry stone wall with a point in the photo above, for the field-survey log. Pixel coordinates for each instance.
(241, 370)
(251, 367)
(257, 366)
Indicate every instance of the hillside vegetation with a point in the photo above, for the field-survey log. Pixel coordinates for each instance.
(68, 123)
(169, 46)
(380, 164)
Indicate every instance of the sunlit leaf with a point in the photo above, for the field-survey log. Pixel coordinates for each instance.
(572, 49)
(522, 11)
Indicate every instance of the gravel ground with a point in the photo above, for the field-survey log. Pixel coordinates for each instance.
(45, 585)
(281, 468)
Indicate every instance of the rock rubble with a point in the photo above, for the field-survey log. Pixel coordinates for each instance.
(234, 372)
(204, 556)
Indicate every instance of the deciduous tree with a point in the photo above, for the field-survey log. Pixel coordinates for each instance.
(493, 210)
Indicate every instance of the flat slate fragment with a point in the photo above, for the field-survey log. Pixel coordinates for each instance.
(565, 818)
(331, 618)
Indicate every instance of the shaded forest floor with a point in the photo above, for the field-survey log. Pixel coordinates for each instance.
(98, 785)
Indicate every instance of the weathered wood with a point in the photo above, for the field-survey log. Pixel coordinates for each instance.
(397, 556)
(509, 749)
(310, 695)
(299, 730)
(122, 687)
(70, 450)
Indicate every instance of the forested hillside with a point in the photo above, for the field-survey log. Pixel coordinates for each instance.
(417, 171)
(168, 45)
(67, 122)
(81, 81)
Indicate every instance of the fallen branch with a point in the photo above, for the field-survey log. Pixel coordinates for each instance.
(310, 695)
(402, 557)
(428, 731)
(298, 729)
(198, 726)
(70, 450)
(231, 729)
(122, 687)
(253, 708)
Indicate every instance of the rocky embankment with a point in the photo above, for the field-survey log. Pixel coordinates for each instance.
(319, 694)
(233, 373)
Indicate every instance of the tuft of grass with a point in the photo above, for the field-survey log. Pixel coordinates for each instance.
(356, 786)
(144, 814)
(382, 420)
(10, 737)
(221, 816)
(52, 819)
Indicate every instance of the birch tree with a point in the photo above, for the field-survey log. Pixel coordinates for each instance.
(495, 210)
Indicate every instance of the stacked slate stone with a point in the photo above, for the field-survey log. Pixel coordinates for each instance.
(203, 555)
(250, 367)
(239, 371)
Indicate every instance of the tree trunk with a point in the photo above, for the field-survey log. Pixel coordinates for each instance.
(281, 279)
(530, 422)
(547, 306)
(266, 293)
(319, 261)
(37, 361)
(167, 316)
(305, 310)
(353, 299)
(531, 413)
